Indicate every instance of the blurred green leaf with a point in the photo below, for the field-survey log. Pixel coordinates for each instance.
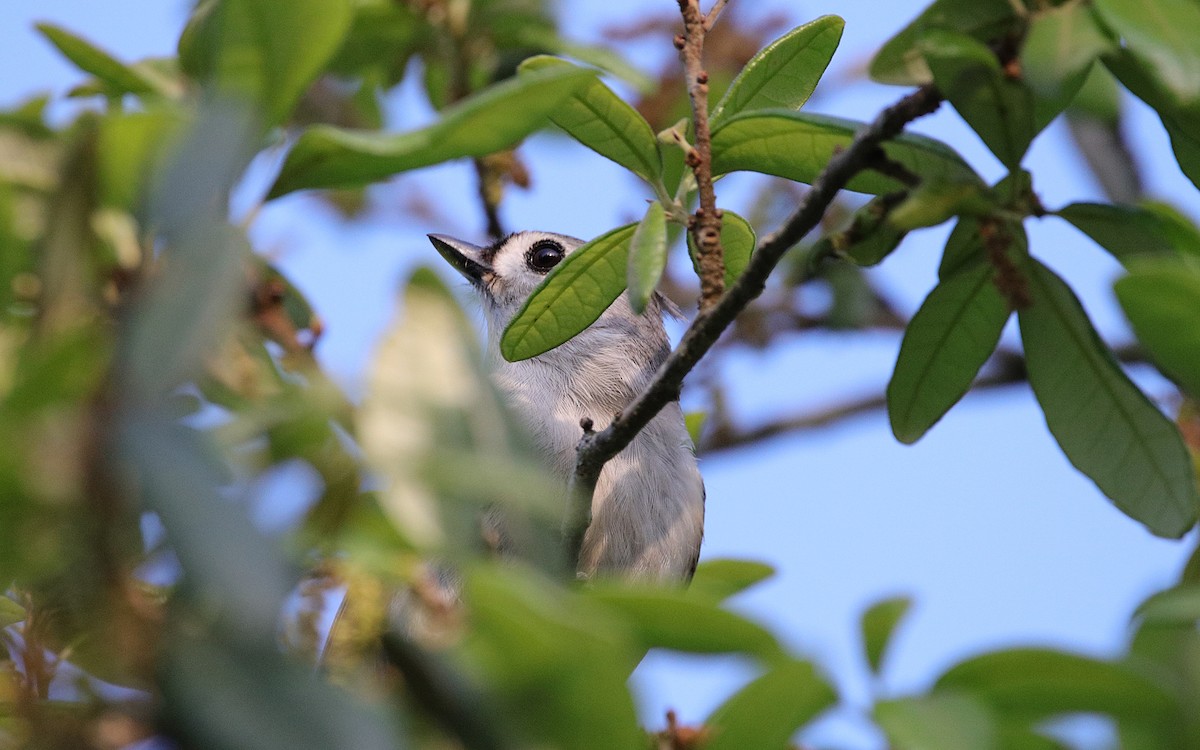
(1059, 49)
(119, 78)
(10, 612)
(1099, 97)
(946, 342)
(266, 51)
(381, 35)
(1160, 34)
(999, 109)
(1175, 606)
(668, 618)
(1104, 423)
(605, 123)
(1127, 232)
(785, 72)
(721, 579)
(695, 421)
(1162, 302)
(933, 202)
(797, 146)
(878, 624)
(738, 242)
(647, 256)
(942, 721)
(548, 39)
(1036, 684)
(130, 147)
(901, 61)
(572, 297)
(766, 713)
(490, 121)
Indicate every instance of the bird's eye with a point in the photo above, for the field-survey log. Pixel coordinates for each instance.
(544, 255)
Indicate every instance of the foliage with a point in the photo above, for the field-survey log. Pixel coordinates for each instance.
(155, 368)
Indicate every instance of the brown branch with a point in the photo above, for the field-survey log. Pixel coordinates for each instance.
(705, 226)
(594, 450)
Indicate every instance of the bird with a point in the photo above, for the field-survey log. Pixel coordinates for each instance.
(648, 506)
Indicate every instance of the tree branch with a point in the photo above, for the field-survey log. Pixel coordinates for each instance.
(705, 226)
(594, 450)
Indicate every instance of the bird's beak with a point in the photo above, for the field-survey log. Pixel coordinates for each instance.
(466, 258)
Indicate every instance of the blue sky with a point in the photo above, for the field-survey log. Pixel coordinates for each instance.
(999, 540)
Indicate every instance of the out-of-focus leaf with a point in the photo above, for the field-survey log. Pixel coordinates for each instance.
(490, 121)
(1035, 684)
(1161, 37)
(695, 421)
(767, 712)
(605, 123)
(947, 341)
(738, 242)
(797, 146)
(878, 624)
(999, 109)
(1099, 97)
(1127, 232)
(721, 579)
(668, 618)
(1104, 423)
(572, 297)
(129, 149)
(1059, 49)
(647, 256)
(785, 72)
(10, 612)
(1162, 302)
(547, 38)
(901, 62)
(933, 202)
(557, 651)
(266, 51)
(946, 721)
(118, 77)
(1179, 606)
(382, 35)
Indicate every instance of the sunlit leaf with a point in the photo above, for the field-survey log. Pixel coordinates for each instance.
(605, 123)
(490, 121)
(572, 297)
(767, 712)
(945, 721)
(264, 50)
(1162, 302)
(785, 72)
(901, 61)
(878, 625)
(1161, 35)
(797, 146)
(947, 341)
(1104, 423)
(738, 242)
(934, 202)
(647, 256)
(118, 77)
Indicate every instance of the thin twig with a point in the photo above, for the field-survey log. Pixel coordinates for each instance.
(596, 449)
(713, 13)
(705, 226)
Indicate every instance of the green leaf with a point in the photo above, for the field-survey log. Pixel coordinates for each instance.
(901, 61)
(647, 256)
(546, 38)
(694, 421)
(1125, 231)
(1035, 684)
(721, 579)
(948, 721)
(878, 624)
(797, 146)
(572, 297)
(1059, 50)
(1162, 302)
(266, 51)
(1105, 425)
(1161, 36)
(934, 202)
(10, 612)
(946, 342)
(1175, 606)
(869, 237)
(737, 240)
(605, 123)
(673, 619)
(999, 109)
(119, 77)
(766, 713)
(965, 244)
(492, 120)
(130, 147)
(785, 72)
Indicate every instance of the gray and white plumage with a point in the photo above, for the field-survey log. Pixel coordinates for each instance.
(648, 508)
